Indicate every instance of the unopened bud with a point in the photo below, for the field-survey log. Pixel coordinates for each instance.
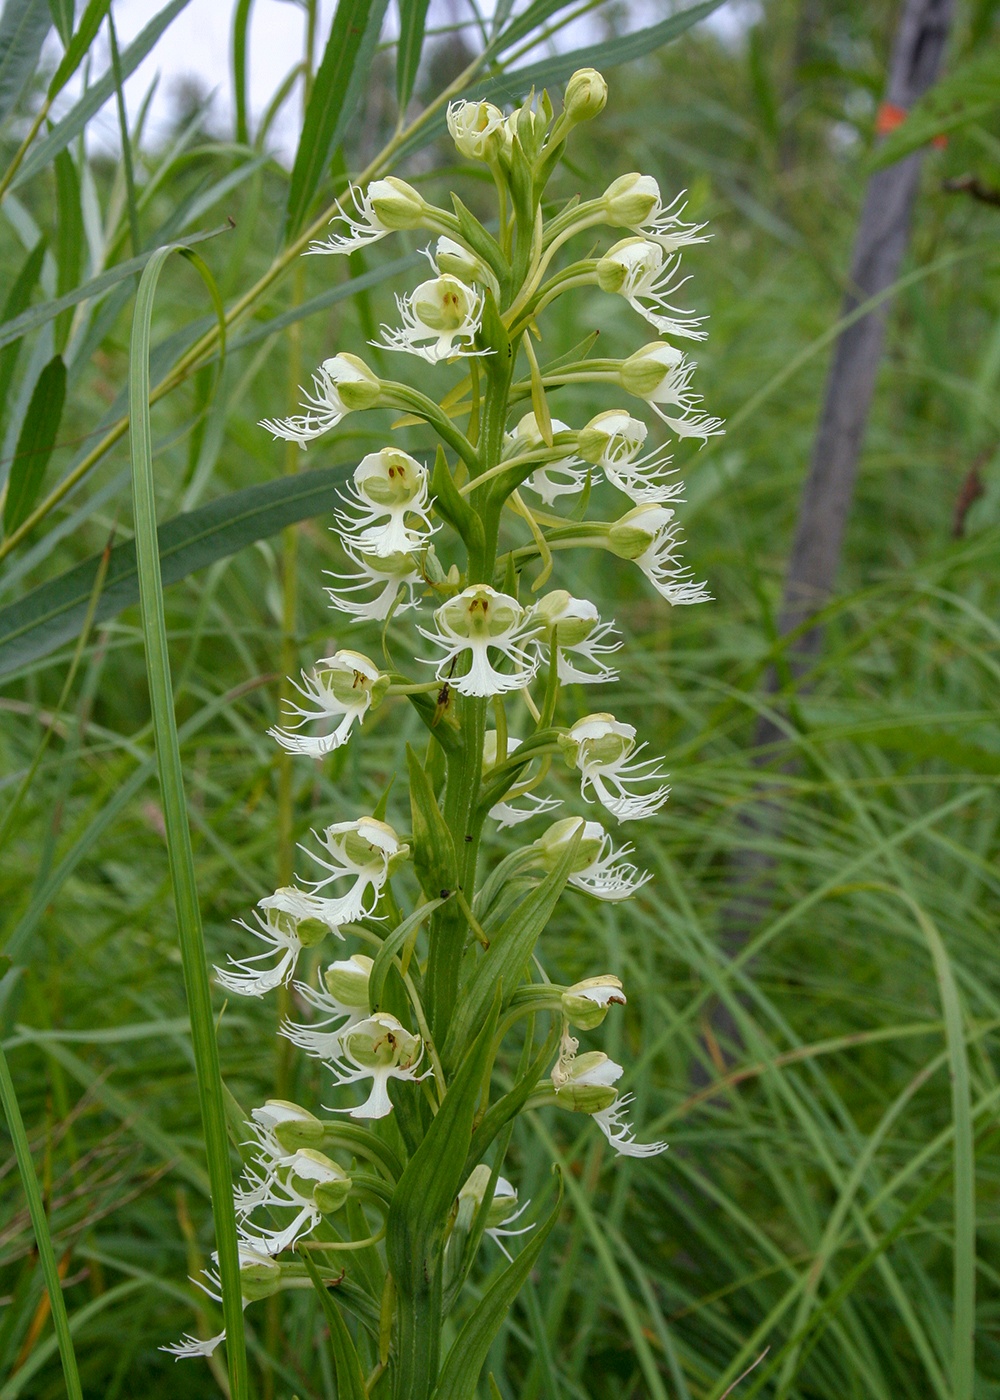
(587, 1085)
(476, 129)
(347, 981)
(260, 1275)
(554, 843)
(473, 1193)
(632, 535)
(314, 1174)
(586, 95)
(586, 1003)
(643, 373)
(294, 1127)
(570, 620)
(357, 387)
(396, 204)
(611, 435)
(631, 199)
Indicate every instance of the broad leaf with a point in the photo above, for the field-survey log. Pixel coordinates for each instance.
(52, 613)
(335, 93)
(23, 27)
(35, 443)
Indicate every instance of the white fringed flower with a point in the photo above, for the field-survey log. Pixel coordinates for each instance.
(504, 813)
(341, 385)
(290, 922)
(635, 269)
(476, 622)
(563, 477)
(260, 1276)
(613, 441)
(599, 869)
(476, 129)
(342, 1003)
(575, 626)
(390, 505)
(633, 201)
(501, 1213)
(386, 206)
(307, 1182)
(380, 1049)
(342, 687)
(660, 374)
(393, 577)
(649, 537)
(585, 1085)
(442, 310)
(366, 852)
(605, 752)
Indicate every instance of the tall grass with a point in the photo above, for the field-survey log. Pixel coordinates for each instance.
(830, 1196)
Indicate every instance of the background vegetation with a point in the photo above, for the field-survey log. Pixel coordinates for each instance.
(826, 1159)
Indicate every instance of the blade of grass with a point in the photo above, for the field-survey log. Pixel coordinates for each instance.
(178, 833)
(40, 1225)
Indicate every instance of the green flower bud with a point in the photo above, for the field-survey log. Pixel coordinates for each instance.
(314, 1174)
(586, 95)
(631, 199)
(571, 620)
(260, 1276)
(586, 1003)
(614, 427)
(632, 535)
(554, 843)
(347, 981)
(586, 1085)
(396, 204)
(476, 129)
(473, 1193)
(356, 386)
(643, 373)
(294, 1127)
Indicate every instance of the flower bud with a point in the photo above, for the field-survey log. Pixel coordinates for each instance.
(347, 981)
(476, 129)
(586, 95)
(356, 386)
(630, 259)
(611, 436)
(369, 839)
(597, 739)
(632, 535)
(260, 1275)
(643, 373)
(554, 843)
(473, 1193)
(631, 199)
(314, 1174)
(490, 752)
(396, 204)
(586, 1083)
(457, 261)
(586, 1003)
(294, 1127)
(568, 620)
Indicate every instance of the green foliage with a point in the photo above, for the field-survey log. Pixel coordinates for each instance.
(35, 443)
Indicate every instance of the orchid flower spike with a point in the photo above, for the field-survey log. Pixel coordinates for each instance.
(342, 1002)
(388, 490)
(649, 537)
(379, 1048)
(308, 1182)
(393, 576)
(598, 869)
(342, 687)
(386, 206)
(504, 813)
(613, 441)
(605, 752)
(476, 622)
(366, 851)
(660, 374)
(341, 385)
(574, 626)
(260, 1276)
(585, 1085)
(501, 1213)
(476, 129)
(564, 477)
(635, 269)
(633, 201)
(442, 310)
(289, 923)
(586, 1003)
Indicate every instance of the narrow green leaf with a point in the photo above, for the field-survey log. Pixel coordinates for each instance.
(465, 1361)
(79, 45)
(241, 29)
(96, 95)
(17, 299)
(350, 1377)
(62, 18)
(968, 94)
(338, 85)
(69, 239)
(412, 23)
(35, 443)
(178, 833)
(40, 1226)
(391, 946)
(434, 860)
(23, 27)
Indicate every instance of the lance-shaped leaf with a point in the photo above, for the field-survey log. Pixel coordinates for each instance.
(350, 1377)
(460, 1373)
(412, 23)
(508, 955)
(78, 46)
(17, 300)
(23, 27)
(339, 82)
(35, 443)
(391, 946)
